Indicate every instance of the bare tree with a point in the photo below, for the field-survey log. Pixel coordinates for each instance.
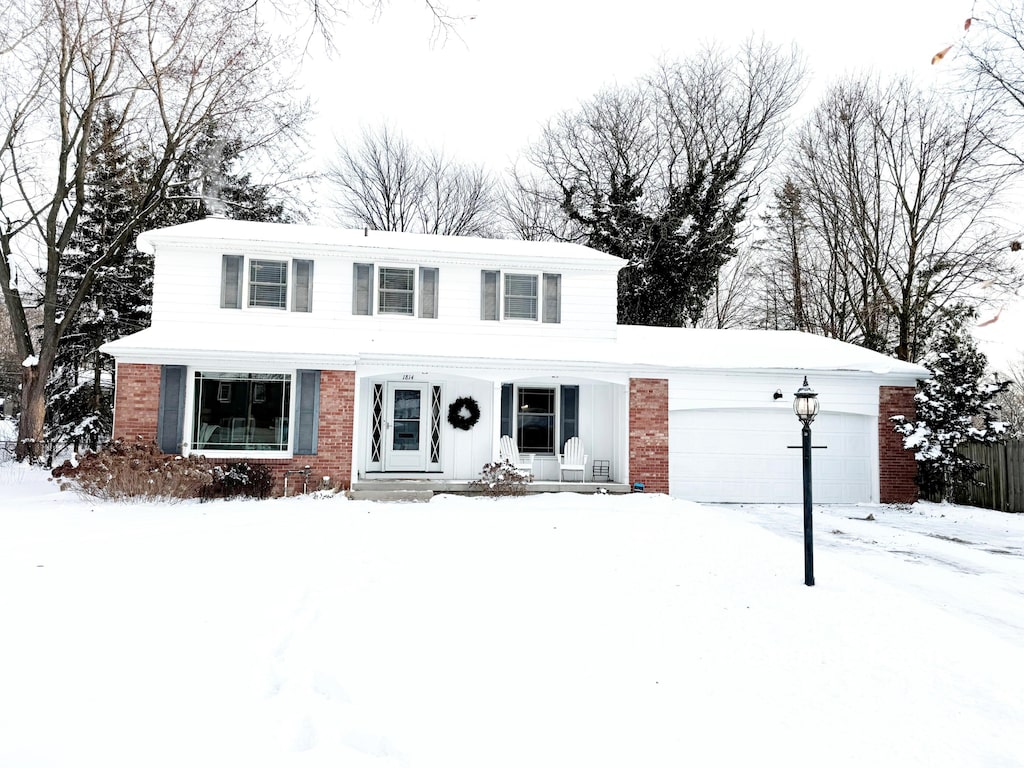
(387, 183)
(900, 187)
(661, 173)
(167, 68)
(993, 66)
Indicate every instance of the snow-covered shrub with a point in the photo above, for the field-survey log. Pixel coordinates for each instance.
(500, 478)
(955, 406)
(124, 471)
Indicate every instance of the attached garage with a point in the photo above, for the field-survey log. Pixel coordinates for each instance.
(742, 455)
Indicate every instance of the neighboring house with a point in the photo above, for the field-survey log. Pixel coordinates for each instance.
(344, 351)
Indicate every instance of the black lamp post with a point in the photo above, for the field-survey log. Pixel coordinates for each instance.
(805, 406)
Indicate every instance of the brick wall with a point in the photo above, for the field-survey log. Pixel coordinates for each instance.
(896, 465)
(648, 433)
(136, 402)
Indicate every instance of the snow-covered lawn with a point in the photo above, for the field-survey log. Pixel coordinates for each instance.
(557, 631)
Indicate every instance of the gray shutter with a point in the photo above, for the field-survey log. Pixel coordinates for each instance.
(231, 282)
(428, 292)
(307, 412)
(170, 422)
(552, 298)
(506, 410)
(362, 289)
(488, 295)
(302, 285)
(570, 412)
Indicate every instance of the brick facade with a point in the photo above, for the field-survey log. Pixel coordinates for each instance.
(137, 403)
(897, 467)
(648, 433)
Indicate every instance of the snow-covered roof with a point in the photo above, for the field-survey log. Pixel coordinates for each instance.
(635, 347)
(245, 235)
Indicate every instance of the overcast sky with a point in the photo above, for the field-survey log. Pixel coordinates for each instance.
(484, 94)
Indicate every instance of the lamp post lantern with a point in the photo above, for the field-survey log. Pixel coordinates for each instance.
(805, 406)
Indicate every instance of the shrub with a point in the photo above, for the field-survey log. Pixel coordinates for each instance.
(500, 478)
(239, 478)
(140, 471)
(134, 471)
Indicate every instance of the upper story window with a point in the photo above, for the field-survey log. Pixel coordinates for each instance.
(521, 296)
(398, 290)
(268, 283)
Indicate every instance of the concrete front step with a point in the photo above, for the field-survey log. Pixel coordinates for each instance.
(390, 495)
(422, 490)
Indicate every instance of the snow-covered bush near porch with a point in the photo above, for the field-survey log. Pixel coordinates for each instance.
(501, 478)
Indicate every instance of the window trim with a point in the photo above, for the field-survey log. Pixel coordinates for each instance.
(188, 425)
(384, 293)
(252, 284)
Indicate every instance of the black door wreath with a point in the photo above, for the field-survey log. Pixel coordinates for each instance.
(463, 413)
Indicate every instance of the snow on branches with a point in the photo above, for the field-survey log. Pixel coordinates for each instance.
(954, 406)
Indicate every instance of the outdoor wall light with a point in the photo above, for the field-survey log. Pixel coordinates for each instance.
(805, 406)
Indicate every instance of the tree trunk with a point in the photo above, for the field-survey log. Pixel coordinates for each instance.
(32, 423)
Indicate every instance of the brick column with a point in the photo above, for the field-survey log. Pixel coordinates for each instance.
(897, 467)
(136, 402)
(648, 433)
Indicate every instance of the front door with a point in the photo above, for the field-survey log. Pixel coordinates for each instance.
(407, 427)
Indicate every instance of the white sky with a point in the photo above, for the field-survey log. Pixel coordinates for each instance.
(519, 63)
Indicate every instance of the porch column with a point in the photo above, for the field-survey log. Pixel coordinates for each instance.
(648, 434)
(897, 466)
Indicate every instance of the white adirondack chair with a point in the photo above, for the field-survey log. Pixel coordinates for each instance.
(572, 459)
(509, 451)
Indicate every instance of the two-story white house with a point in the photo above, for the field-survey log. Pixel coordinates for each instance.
(377, 355)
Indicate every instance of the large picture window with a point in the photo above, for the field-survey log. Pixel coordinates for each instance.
(241, 411)
(535, 420)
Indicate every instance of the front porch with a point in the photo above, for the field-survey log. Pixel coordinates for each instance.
(424, 490)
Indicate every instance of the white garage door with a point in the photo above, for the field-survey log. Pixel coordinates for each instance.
(742, 455)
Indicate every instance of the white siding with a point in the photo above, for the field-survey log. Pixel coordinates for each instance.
(188, 279)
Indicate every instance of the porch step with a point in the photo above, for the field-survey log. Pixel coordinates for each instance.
(381, 494)
(423, 490)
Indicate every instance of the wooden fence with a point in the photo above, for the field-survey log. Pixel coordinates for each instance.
(1002, 476)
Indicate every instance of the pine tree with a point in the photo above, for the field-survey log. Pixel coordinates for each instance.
(81, 387)
(954, 406)
(674, 252)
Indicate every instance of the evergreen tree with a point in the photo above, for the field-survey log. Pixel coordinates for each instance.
(81, 386)
(955, 406)
(675, 252)
(205, 184)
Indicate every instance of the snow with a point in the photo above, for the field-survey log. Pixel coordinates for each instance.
(633, 346)
(334, 238)
(30, 361)
(554, 630)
